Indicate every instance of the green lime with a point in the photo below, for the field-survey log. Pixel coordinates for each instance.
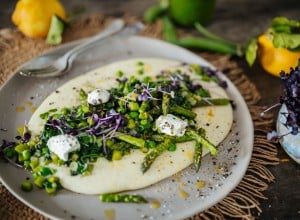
(187, 12)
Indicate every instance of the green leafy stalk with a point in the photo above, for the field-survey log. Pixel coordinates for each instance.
(126, 198)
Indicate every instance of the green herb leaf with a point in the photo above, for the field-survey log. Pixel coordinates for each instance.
(54, 36)
(284, 40)
(284, 25)
(251, 51)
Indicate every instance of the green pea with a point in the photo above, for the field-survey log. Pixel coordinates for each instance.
(143, 115)
(45, 171)
(26, 154)
(140, 72)
(39, 181)
(120, 73)
(144, 106)
(50, 190)
(65, 111)
(45, 150)
(85, 108)
(172, 147)
(9, 152)
(146, 79)
(151, 144)
(143, 122)
(117, 155)
(134, 115)
(34, 162)
(121, 109)
(53, 179)
(131, 124)
(21, 147)
(144, 149)
(140, 63)
(133, 106)
(74, 157)
(109, 142)
(20, 158)
(26, 186)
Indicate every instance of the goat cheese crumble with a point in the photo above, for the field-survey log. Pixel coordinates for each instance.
(62, 145)
(171, 125)
(98, 96)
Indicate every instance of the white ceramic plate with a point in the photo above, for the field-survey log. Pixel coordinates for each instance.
(179, 196)
(290, 142)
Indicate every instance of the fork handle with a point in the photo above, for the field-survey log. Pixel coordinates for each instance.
(113, 28)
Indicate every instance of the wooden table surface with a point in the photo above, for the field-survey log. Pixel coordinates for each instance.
(236, 20)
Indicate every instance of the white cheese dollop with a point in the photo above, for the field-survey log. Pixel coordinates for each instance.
(62, 145)
(98, 96)
(171, 125)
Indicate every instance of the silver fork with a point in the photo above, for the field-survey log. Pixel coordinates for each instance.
(64, 63)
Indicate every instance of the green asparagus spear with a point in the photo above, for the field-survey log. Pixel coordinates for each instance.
(176, 139)
(138, 142)
(182, 111)
(165, 103)
(212, 102)
(150, 157)
(205, 143)
(126, 198)
(197, 156)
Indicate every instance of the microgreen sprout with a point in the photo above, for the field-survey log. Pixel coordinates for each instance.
(291, 92)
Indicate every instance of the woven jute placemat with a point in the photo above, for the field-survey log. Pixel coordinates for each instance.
(242, 202)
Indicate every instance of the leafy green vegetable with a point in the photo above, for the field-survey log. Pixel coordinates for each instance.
(54, 36)
(251, 51)
(285, 40)
(284, 25)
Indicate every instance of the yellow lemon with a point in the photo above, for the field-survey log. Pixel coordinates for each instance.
(274, 60)
(33, 17)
